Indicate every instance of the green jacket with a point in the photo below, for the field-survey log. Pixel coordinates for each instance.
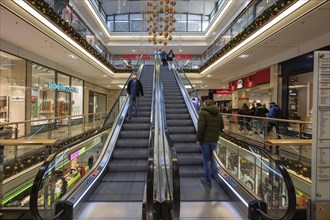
(210, 123)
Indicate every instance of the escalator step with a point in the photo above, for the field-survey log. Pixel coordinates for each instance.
(187, 147)
(179, 122)
(132, 142)
(134, 134)
(138, 120)
(177, 116)
(136, 126)
(125, 176)
(176, 111)
(179, 138)
(191, 170)
(174, 101)
(190, 158)
(127, 165)
(130, 153)
(175, 106)
(181, 129)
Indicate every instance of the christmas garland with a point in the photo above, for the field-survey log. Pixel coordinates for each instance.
(50, 13)
(260, 21)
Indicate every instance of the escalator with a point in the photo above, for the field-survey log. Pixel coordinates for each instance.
(117, 181)
(127, 169)
(182, 133)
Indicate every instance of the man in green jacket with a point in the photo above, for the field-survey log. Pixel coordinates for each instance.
(210, 124)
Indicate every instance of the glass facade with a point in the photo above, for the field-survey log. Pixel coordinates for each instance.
(12, 88)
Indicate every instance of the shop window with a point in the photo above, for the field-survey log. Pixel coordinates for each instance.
(12, 88)
(77, 97)
(42, 96)
(63, 96)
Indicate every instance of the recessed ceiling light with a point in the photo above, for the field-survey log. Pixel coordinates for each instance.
(180, 50)
(72, 56)
(121, 86)
(209, 76)
(133, 50)
(243, 56)
(213, 33)
(109, 86)
(105, 76)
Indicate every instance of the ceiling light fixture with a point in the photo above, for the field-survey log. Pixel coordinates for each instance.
(133, 50)
(243, 56)
(208, 76)
(52, 27)
(277, 19)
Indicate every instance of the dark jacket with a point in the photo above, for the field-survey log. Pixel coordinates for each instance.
(244, 112)
(261, 111)
(210, 124)
(164, 55)
(139, 87)
(170, 56)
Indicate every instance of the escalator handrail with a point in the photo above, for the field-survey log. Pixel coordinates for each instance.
(176, 198)
(102, 127)
(290, 212)
(41, 173)
(190, 84)
(150, 165)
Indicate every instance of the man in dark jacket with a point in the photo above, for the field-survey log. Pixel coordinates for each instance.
(134, 89)
(210, 124)
(274, 112)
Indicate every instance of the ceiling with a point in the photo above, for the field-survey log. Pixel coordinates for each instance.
(304, 35)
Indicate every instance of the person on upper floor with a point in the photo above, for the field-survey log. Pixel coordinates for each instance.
(164, 57)
(170, 57)
(245, 121)
(274, 112)
(260, 111)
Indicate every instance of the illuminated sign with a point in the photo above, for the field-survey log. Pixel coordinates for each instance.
(240, 83)
(61, 87)
(77, 153)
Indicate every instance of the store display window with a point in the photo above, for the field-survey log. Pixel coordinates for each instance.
(12, 88)
(77, 96)
(63, 95)
(42, 95)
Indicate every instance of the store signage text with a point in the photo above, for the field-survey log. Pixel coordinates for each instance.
(77, 153)
(63, 88)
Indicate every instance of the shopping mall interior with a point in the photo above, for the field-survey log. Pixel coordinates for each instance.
(77, 141)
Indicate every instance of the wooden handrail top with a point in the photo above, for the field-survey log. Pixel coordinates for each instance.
(47, 142)
(266, 118)
(288, 142)
(54, 118)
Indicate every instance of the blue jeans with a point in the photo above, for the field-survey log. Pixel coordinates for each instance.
(209, 164)
(133, 103)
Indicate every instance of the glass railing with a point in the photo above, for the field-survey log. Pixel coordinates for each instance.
(64, 15)
(262, 128)
(66, 168)
(24, 155)
(261, 173)
(244, 19)
(63, 171)
(295, 155)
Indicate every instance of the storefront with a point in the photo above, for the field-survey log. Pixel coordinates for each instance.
(54, 94)
(255, 88)
(31, 91)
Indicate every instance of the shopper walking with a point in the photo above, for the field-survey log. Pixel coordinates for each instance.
(210, 124)
(170, 57)
(260, 111)
(134, 89)
(90, 161)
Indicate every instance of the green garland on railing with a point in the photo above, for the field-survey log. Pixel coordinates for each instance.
(49, 12)
(260, 21)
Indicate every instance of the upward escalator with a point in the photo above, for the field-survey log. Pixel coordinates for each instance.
(182, 133)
